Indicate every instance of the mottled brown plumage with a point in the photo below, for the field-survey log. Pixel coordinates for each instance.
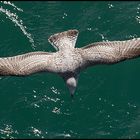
(68, 61)
(111, 51)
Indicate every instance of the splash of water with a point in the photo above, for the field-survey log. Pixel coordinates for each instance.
(8, 131)
(16, 20)
(11, 4)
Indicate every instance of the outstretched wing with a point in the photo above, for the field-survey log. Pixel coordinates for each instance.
(110, 52)
(25, 64)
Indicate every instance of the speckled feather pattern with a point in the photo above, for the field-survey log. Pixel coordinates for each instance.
(69, 59)
(111, 52)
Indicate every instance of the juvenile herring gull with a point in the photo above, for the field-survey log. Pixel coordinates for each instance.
(68, 61)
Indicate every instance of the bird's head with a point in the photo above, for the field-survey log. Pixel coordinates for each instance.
(71, 84)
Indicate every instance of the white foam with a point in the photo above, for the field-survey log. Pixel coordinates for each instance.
(110, 5)
(11, 4)
(138, 19)
(18, 22)
(56, 110)
(36, 131)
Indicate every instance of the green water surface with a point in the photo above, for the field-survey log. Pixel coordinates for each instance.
(107, 100)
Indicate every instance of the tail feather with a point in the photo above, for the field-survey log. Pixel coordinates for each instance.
(64, 39)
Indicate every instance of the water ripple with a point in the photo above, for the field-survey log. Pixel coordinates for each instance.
(17, 21)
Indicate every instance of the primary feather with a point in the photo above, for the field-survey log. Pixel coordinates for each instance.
(111, 51)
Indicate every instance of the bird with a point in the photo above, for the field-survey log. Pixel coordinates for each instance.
(68, 61)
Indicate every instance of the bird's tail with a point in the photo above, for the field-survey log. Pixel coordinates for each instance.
(64, 39)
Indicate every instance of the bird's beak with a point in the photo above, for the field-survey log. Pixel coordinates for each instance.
(72, 95)
(72, 91)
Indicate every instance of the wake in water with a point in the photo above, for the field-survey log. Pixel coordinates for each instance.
(16, 20)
